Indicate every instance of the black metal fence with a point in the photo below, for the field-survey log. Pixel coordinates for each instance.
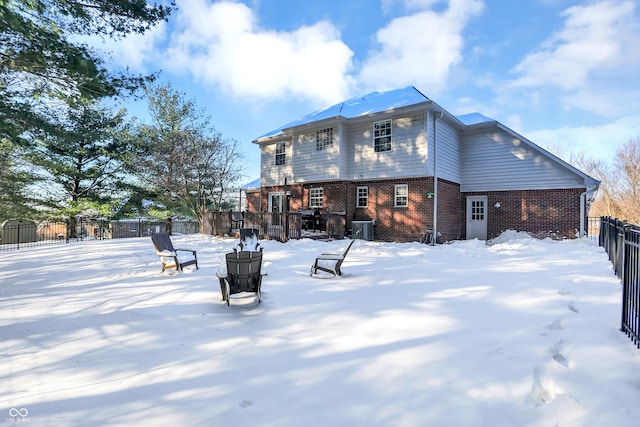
(621, 241)
(21, 233)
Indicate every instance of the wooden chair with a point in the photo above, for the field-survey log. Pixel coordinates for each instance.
(243, 274)
(330, 262)
(169, 255)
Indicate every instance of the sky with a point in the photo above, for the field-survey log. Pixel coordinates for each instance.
(565, 74)
(520, 332)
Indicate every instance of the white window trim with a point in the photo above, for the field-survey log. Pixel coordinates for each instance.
(390, 136)
(395, 195)
(283, 146)
(366, 205)
(326, 142)
(280, 195)
(311, 190)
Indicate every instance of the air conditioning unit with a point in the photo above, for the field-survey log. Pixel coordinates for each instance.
(362, 229)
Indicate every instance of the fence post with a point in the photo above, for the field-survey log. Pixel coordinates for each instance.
(625, 288)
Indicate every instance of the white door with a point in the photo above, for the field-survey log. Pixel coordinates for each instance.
(276, 206)
(477, 217)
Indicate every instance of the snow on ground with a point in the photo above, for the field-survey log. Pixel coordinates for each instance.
(519, 333)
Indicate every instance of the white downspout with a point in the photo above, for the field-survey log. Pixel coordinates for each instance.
(583, 207)
(434, 236)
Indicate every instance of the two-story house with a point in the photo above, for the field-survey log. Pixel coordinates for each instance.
(401, 160)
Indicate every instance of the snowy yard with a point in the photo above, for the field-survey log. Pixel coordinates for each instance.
(520, 333)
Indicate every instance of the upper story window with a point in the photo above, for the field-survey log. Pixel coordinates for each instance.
(401, 198)
(315, 197)
(324, 139)
(280, 157)
(362, 197)
(382, 136)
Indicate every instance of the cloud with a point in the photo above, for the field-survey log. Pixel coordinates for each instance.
(596, 37)
(222, 45)
(419, 49)
(600, 141)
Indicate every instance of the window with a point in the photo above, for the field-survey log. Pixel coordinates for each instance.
(315, 197)
(382, 136)
(324, 139)
(402, 195)
(362, 197)
(477, 210)
(280, 159)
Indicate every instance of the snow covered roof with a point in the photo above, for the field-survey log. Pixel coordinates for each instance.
(359, 106)
(474, 119)
(251, 185)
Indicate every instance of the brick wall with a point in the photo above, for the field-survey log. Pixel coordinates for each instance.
(400, 224)
(553, 213)
(540, 212)
(406, 224)
(450, 223)
(253, 201)
(335, 195)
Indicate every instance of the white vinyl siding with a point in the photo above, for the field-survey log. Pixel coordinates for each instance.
(495, 160)
(407, 158)
(270, 173)
(312, 165)
(449, 155)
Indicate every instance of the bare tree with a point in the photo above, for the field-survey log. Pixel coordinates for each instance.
(619, 193)
(607, 201)
(627, 162)
(185, 160)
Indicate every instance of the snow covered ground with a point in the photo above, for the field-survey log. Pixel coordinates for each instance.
(520, 333)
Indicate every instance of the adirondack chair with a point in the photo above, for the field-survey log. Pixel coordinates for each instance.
(427, 236)
(249, 240)
(330, 262)
(169, 255)
(243, 274)
(237, 220)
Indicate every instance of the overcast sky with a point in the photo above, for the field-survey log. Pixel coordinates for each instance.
(565, 74)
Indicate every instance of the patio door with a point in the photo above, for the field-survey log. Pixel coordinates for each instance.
(477, 217)
(276, 207)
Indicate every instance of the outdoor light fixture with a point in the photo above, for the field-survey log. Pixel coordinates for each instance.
(497, 205)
